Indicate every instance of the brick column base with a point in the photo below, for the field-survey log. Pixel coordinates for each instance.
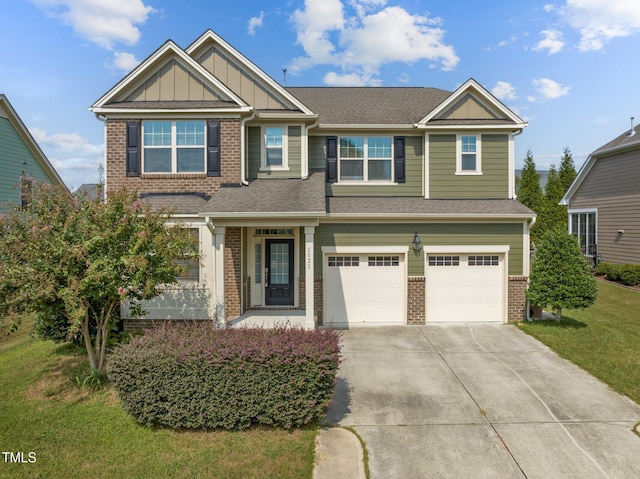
(415, 300)
(517, 305)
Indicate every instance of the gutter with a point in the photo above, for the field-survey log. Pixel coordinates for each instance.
(104, 157)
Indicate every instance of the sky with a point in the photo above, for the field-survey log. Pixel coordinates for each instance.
(569, 67)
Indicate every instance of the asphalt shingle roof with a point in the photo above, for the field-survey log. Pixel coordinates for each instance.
(370, 105)
(620, 141)
(177, 203)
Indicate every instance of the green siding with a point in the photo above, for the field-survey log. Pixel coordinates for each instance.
(443, 181)
(13, 152)
(317, 153)
(440, 234)
(294, 154)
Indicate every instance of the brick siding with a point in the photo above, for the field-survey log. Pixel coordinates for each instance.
(517, 300)
(232, 273)
(416, 300)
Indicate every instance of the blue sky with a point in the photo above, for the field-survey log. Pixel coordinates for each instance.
(568, 67)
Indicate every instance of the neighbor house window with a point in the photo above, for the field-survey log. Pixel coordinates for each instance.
(468, 154)
(274, 151)
(173, 146)
(583, 225)
(364, 158)
(192, 264)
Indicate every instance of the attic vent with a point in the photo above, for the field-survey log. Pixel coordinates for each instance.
(633, 131)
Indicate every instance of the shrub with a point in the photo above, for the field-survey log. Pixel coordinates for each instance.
(630, 274)
(602, 269)
(192, 376)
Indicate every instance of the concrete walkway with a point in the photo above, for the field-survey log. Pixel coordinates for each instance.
(473, 401)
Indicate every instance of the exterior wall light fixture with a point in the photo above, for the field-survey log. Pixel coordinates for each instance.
(417, 243)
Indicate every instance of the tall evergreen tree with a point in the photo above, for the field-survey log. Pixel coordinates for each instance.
(552, 215)
(567, 170)
(529, 191)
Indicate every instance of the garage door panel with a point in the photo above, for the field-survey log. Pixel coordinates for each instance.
(369, 290)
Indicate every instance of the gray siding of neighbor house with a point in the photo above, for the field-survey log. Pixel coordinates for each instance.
(445, 234)
(13, 152)
(294, 154)
(612, 186)
(413, 165)
(494, 181)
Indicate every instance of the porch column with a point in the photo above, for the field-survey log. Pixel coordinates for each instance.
(309, 231)
(219, 314)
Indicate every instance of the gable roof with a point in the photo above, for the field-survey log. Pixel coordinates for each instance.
(628, 140)
(29, 141)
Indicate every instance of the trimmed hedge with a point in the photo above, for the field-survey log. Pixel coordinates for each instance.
(628, 274)
(195, 377)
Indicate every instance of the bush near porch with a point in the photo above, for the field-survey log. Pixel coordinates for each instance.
(195, 377)
(627, 274)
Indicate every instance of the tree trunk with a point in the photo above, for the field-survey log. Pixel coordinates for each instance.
(86, 335)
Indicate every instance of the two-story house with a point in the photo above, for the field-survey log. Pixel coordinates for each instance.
(352, 206)
(21, 159)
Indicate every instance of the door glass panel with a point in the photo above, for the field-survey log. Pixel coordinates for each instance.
(279, 263)
(258, 263)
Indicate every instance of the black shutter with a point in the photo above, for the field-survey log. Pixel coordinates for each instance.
(399, 159)
(133, 148)
(213, 148)
(332, 159)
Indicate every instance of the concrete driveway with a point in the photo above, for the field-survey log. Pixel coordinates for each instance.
(473, 401)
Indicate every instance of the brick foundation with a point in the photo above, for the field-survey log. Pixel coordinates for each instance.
(517, 303)
(233, 273)
(416, 300)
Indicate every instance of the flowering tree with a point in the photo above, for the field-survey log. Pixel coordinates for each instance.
(78, 258)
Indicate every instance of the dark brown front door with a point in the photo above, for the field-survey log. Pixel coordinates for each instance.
(279, 272)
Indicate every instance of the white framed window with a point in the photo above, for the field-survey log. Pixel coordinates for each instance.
(274, 148)
(191, 264)
(176, 146)
(468, 157)
(362, 158)
(584, 225)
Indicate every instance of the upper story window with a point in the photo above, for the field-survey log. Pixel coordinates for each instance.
(364, 158)
(274, 148)
(173, 146)
(468, 158)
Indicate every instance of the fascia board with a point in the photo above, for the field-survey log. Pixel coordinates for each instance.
(140, 70)
(285, 116)
(150, 112)
(456, 95)
(261, 215)
(417, 216)
(508, 127)
(252, 67)
(365, 126)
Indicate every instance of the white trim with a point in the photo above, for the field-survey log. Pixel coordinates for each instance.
(581, 211)
(526, 249)
(365, 161)
(478, 169)
(428, 249)
(364, 249)
(285, 148)
(174, 148)
(512, 167)
(426, 166)
(309, 276)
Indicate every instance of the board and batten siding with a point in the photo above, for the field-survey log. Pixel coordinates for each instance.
(493, 183)
(14, 152)
(294, 154)
(612, 187)
(441, 234)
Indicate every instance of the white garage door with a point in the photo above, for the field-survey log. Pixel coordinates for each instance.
(364, 289)
(465, 287)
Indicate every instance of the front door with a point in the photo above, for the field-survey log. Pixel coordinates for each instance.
(278, 286)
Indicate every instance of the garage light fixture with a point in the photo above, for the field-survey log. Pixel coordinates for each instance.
(417, 243)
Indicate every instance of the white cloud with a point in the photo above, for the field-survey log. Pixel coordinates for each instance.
(255, 22)
(122, 61)
(553, 41)
(504, 91)
(67, 142)
(104, 23)
(600, 21)
(367, 37)
(350, 79)
(548, 8)
(549, 89)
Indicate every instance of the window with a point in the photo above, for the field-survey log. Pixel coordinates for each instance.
(274, 231)
(192, 272)
(344, 261)
(384, 260)
(173, 146)
(444, 260)
(484, 260)
(583, 225)
(274, 153)
(258, 263)
(468, 159)
(365, 158)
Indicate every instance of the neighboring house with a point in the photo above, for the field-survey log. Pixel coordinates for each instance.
(351, 205)
(90, 190)
(604, 201)
(21, 159)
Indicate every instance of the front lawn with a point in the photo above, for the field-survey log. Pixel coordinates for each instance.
(77, 434)
(603, 339)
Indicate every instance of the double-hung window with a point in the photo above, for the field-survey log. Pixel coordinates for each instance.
(364, 158)
(274, 147)
(468, 158)
(583, 225)
(173, 146)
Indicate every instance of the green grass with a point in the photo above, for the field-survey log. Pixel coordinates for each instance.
(603, 339)
(79, 434)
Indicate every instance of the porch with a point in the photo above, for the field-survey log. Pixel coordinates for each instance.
(270, 318)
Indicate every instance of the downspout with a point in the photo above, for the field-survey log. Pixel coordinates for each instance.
(512, 171)
(104, 158)
(531, 225)
(305, 174)
(243, 154)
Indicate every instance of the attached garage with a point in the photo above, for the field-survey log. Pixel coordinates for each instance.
(364, 287)
(465, 286)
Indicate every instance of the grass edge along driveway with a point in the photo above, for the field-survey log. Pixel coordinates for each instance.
(603, 339)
